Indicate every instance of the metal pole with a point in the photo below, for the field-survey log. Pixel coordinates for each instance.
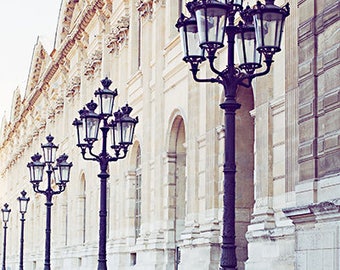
(4, 249)
(228, 254)
(102, 221)
(21, 264)
(48, 193)
(48, 233)
(104, 161)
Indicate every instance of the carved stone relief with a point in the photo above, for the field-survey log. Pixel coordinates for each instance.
(73, 86)
(93, 64)
(119, 35)
(147, 7)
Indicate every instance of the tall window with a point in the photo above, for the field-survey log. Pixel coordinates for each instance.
(138, 189)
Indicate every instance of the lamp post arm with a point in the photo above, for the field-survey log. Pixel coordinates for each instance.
(212, 66)
(83, 152)
(95, 157)
(87, 158)
(56, 192)
(123, 156)
(37, 189)
(250, 77)
(194, 69)
(211, 80)
(113, 159)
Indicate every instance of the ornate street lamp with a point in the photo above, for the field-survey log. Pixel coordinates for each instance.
(57, 178)
(5, 218)
(215, 20)
(122, 131)
(23, 202)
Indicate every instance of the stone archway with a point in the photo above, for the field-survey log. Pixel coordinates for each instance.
(176, 187)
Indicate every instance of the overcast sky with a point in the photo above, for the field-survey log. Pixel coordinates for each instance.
(21, 22)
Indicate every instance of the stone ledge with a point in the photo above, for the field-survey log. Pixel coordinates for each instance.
(313, 212)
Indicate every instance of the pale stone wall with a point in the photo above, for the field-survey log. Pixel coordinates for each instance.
(287, 145)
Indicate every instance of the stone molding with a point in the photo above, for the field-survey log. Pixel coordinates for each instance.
(313, 212)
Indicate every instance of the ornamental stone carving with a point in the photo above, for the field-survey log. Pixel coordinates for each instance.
(93, 64)
(73, 87)
(146, 7)
(119, 35)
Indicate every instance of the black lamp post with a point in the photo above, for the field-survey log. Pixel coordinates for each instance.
(23, 201)
(122, 129)
(57, 178)
(5, 217)
(202, 34)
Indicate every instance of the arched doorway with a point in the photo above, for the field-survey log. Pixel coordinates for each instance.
(177, 183)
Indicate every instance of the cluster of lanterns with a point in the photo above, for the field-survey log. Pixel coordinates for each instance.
(121, 128)
(259, 33)
(61, 171)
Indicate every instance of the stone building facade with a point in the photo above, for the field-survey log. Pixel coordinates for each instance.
(165, 197)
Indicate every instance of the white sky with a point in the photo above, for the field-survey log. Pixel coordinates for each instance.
(21, 22)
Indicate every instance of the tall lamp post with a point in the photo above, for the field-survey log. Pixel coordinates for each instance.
(122, 131)
(258, 35)
(5, 217)
(23, 202)
(57, 178)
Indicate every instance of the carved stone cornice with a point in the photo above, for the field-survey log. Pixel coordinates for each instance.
(119, 35)
(146, 8)
(93, 64)
(59, 105)
(73, 86)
